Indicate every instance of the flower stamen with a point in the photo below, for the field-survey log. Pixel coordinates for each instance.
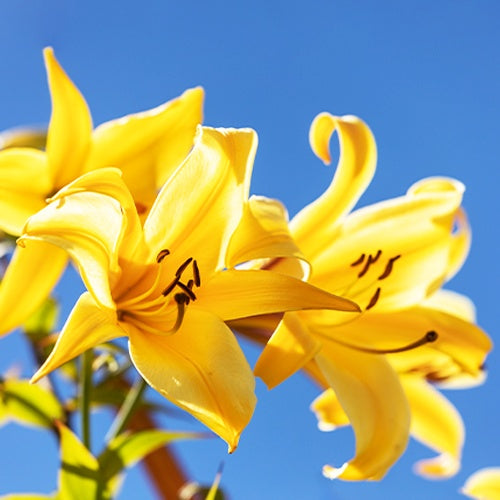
(374, 299)
(162, 254)
(430, 336)
(388, 267)
(196, 274)
(183, 266)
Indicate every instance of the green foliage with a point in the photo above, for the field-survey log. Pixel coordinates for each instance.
(28, 404)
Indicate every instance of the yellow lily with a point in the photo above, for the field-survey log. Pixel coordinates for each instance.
(483, 484)
(146, 146)
(390, 258)
(164, 284)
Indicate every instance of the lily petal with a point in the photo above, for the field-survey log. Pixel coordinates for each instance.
(329, 411)
(30, 277)
(24, 184)
(484, 484)
(202, 369)
(288, 350)
(436, 423)
(108, 181)
(70, 127)
(238, 294)
(263, 233)
(460, 349)
(88, 325)
(88, 226)
(209, 192)
(372, 397)
(148, 146)
(355, 169)
(409, 238)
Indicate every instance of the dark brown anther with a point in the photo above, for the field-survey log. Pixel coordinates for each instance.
(358, 261)
(371, 260)
(162, 254)
(388, 268)
(190, 284)
(431, 336)
(186, 289)
(377, 255)
(374, 299)
(196, 274)
(181, 298)
(170, 287)
(183, 266)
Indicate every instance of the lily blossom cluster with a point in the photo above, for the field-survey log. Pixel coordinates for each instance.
(154, 210)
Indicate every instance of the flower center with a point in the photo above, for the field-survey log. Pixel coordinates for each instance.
(364, 264)
(149, 311)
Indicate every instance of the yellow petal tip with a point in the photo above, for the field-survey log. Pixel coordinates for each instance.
(333, 472)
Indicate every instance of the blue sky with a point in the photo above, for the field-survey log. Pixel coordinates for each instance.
(423, 74)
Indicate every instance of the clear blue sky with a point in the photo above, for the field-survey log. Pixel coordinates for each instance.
(423, 74)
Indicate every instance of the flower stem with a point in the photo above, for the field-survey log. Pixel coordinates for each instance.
(127, 409)
(85, 388)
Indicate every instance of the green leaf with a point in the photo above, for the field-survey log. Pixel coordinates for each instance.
(127, 449)
(43, 321)
(28, 404)
(79, 475)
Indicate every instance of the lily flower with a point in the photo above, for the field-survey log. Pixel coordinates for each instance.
(391, 258)
(146, 146)
(165, 284)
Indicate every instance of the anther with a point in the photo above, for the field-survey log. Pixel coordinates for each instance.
(170, 287)
(377, 255)
(374, 299)
(358, 261)
(371, 260)
(186, 289)
(388, 268)
(431, 336)
(196, 274)
(162, 254)
(181, 298)
(190, 284)
(183, 266)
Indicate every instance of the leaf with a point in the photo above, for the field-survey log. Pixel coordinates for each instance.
(29, 404)
(127, 449)
(44, 320)
(79, 474)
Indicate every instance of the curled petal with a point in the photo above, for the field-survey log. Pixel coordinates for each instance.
(372, 397)
(238, 294)
(329, 411)
(201, 369)
(355, 169)
(30, 277)
(70, 128)
(88, 325)
(209, 190)
(88, 226)
(436, 423)
(263, 233)
(288, 350)
(484, 484)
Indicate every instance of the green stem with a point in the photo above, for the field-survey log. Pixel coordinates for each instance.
(85, 388)
(127, 409)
